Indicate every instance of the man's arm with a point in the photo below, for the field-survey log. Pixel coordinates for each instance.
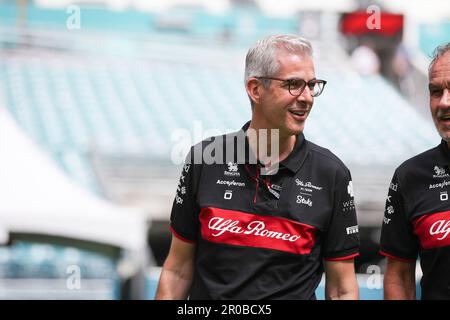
(176, 276)
(340, 280)
(400, 280)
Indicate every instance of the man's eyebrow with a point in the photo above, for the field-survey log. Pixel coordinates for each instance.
(433, 86)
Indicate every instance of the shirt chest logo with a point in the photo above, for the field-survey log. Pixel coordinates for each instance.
(440, 172)
(258, 228)
(233, 170)
(307, 186)
(306, 190)
(303, 200)
(440, 185)
(441, 228)
(230, 183)
(252, 230)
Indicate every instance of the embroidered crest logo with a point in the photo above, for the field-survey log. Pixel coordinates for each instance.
(440, 172)
(232, 167)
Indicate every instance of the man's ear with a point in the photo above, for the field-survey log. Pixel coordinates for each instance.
(254, 90)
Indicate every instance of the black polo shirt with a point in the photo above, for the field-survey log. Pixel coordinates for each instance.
(417, 218)
(263, 236)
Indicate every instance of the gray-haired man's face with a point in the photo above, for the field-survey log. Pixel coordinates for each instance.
(439, 87)
(279, 108)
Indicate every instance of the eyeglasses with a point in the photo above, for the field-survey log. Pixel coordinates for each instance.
(296, 86)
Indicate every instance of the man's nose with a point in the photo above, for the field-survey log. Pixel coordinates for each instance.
(306, 95)
(444, 102)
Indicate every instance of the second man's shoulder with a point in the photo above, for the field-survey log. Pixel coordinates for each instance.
(423, 160)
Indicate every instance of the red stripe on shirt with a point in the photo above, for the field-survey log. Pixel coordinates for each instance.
(433, 230)
(252, 230)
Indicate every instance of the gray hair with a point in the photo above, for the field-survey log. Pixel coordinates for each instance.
(437, 53)
(261, 58)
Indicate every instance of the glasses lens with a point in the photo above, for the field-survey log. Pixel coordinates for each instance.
(316, 88)
(296, 86)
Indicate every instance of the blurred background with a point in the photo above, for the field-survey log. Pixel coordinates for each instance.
(100, 99)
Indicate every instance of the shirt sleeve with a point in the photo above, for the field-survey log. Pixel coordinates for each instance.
(341, 239)
(184, 222)
(397, 238)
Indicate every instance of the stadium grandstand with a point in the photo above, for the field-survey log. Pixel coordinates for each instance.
(100, 101)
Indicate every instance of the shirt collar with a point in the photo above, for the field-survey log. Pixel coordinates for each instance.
(294, 160)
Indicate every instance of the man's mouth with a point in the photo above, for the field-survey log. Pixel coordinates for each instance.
(445, 117)
(299, 115)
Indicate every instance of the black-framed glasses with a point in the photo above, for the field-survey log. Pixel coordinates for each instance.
(296, 86)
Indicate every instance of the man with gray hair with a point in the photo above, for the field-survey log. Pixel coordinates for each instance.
(266, 227)
(417, 215)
